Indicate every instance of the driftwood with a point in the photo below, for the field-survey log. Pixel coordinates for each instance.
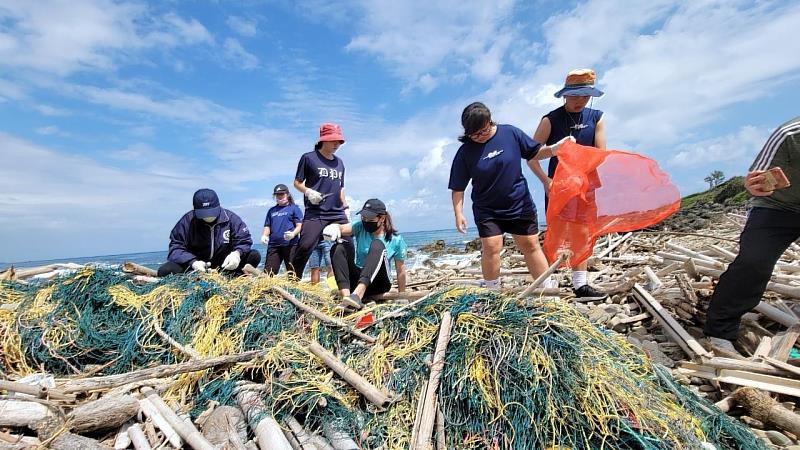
(339, 440)
(36, 391)
(111, 381)
(322, 316)
(185, 429)
(762, 407)
(784, 342)
(355, 380)
(429, 405)
(21, 413)
(131, 267)
(158, 420)
(225, 427)
(103, 413)
(540, 279)
(138, 437)
(769, 383)
(69, 441)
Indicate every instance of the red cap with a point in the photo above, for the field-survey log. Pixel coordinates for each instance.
(330, 132)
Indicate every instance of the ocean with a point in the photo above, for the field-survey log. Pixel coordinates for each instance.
(414, 239)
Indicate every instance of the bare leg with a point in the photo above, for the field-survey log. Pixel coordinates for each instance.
(532, 251)
(314, 276)
(490, 256)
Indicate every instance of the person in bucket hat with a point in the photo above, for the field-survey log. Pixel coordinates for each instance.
(209, 236)
(367, 271)
(320, 178)
(584, 124)
(281, 228)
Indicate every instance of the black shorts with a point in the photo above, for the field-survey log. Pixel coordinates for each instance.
(524, 226)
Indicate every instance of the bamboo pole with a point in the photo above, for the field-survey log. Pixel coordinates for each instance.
(614, 245)
(339, 439)
(186, 430)
(138, 438)
(150, 411)
(322, 316)
(399, 311)
(540, 279)
(267, 431)
(429, 408)
(369, 391)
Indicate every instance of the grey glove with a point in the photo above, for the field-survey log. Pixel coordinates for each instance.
(199, 266)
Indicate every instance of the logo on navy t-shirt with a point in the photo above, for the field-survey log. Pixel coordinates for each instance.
(493, 153)
(333, 174)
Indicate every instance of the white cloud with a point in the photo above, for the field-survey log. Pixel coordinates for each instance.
(242, 26)
(48, 110)
(63, 36)
(48, 130)
(235, 53)
(423, 41)
(740, 147)
(250, 154)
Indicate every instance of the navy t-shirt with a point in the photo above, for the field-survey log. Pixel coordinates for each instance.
(580, 125)
(499, 190)
(325, 176)
(281, 219)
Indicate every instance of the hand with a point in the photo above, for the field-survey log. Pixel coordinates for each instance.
(554, 148)
(264, 239)
(232, 261)
(288, 235)
(199, 266)
(756, 184)
(547, 183)
(332, 232)
(313, 196)
(461, 223)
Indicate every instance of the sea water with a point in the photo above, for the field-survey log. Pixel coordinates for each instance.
(415, 239)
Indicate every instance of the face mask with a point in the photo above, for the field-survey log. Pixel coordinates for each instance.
(209, 219)
(371, 227)
(283, 201)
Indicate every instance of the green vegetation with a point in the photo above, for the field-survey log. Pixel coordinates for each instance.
(730, 192)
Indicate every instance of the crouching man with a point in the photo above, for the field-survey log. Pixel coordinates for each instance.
(209, 237)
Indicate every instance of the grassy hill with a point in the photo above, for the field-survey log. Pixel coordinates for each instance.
(698, 209)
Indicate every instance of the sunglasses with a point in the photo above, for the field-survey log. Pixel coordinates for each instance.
(482, 132)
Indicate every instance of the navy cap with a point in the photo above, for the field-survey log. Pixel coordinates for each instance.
(279, 189)
(206, 204)
(372, 207)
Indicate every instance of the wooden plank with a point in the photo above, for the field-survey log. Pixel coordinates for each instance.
(769, 383)
(783, 343)
(681, 336)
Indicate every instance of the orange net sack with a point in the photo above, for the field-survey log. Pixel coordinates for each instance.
(596, 192)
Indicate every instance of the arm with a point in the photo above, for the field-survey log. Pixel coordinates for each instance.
(600, 134)
(755, 184)
(541, 134)
(300, 186)
(400, 268)
(266, 231)
(178, 248)
(458, 210)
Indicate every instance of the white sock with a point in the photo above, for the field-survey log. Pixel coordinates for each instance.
(550, 283)
(579, 278)
(492, 284)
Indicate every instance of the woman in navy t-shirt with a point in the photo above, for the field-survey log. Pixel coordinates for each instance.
(501, 203)
(320, 177)
(587, 127)
(281, 227)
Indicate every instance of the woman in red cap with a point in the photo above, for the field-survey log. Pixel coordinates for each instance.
(320, 177)
(587, 127)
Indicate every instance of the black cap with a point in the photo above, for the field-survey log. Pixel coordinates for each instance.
(281, 188)
(206, 204)
(372, 207)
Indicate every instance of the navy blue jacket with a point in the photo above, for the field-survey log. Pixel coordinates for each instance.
(193, 239)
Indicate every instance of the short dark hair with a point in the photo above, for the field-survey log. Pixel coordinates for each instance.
(474, 117)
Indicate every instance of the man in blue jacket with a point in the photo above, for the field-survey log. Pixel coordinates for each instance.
(209, 237)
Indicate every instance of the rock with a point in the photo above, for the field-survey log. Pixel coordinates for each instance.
(778, 438)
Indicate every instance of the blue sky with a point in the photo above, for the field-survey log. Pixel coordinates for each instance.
(113, 112)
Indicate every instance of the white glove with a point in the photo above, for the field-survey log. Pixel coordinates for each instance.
(264, 239)
(288, 235)
(232, 261)
(332, 232)
(554, 148)
(313, 196)
(199, 266)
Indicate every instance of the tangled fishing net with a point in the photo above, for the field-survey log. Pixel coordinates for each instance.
(517, 375)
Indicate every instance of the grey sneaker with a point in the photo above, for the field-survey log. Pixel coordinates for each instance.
(352, 301)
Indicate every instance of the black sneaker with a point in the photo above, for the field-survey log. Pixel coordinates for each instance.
(587, 291)
(352, 301)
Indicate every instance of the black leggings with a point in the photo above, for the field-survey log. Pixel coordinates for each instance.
(765, 237)
(171, 268)
(277, 255)
(374, 274)
(310, 235)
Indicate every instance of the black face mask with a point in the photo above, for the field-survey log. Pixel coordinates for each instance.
(370, 227)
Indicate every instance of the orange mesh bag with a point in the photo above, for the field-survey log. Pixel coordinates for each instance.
(596, 192)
